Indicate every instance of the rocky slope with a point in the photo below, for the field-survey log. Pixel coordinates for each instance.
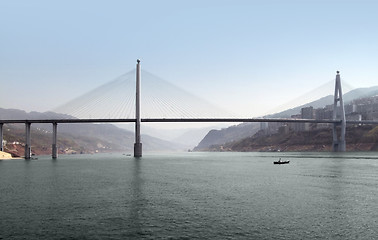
(358, 138)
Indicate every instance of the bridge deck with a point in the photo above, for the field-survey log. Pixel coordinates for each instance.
(186, 120)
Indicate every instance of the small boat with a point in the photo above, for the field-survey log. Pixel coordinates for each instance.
(281, 162)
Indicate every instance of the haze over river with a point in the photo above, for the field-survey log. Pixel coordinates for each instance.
(191, 196)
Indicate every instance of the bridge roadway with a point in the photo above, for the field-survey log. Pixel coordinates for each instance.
(120, 120)
(55, 122)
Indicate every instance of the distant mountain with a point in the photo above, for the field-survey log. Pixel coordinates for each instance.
(16, 114)
(230, 134)
(327, 100)
(191, 137)
(236, 133)
(84, 137)
(188, 138)
(360, 93)
(322, 102)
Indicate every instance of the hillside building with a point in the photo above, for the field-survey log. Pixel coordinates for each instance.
(358, 110)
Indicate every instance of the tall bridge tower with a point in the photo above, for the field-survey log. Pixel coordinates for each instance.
(137, 144)
(338, 144)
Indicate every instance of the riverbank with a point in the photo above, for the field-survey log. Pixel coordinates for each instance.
(5, 156)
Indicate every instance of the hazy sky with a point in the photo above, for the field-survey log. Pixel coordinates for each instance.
(247, 56)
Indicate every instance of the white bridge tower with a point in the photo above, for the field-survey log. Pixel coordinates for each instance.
(338, 144)
(137, 144)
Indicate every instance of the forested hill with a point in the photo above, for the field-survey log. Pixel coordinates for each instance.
(74, 138)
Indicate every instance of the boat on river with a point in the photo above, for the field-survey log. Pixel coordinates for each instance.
(281, 162)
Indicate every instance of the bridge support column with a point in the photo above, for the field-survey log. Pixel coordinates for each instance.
(28, 141)
(54, 146)
(137, 144)
(1, 137)
(338, 144)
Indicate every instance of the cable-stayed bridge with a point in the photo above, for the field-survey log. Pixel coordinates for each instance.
(121, 101)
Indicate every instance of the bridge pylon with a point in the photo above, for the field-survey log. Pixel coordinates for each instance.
(28, 140)
(54, 148)
(338, 144)
(137, 144)
(1, 137)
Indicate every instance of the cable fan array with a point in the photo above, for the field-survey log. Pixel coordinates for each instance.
(159, 99)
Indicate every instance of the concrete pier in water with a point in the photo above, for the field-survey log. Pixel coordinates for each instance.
(1, 137)
(54, 146)
(28, 140)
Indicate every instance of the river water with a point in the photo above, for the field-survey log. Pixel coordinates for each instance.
(191, 196)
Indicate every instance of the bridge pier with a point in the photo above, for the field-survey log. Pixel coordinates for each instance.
(338, 144)
(28, 140)
(137, 144)
(54, 146)
(1, 137)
